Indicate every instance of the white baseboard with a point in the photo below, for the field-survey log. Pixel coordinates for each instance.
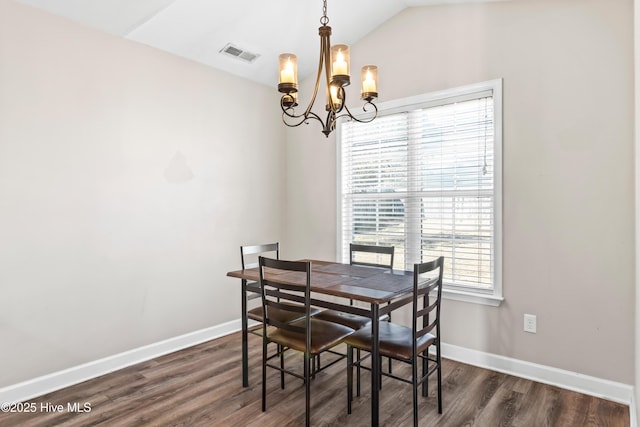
(633, 420)
(610, 390)
(598, 387)
(55, 381)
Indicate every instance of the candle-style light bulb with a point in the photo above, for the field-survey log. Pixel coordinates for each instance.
(288, 76)
(369, 85)
(340, 65)
(369, 82)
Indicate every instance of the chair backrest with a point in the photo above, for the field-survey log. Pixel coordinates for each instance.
(425, 304)
(354, 249)
(249, 254)
(282, 297)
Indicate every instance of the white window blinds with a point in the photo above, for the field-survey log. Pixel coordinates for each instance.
(423, 180)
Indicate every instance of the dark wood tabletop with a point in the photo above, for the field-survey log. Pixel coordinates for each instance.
(367, 284)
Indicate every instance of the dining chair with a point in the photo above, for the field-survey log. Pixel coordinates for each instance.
(307, 335)
(388, 251)
(408, 344)
(352, 320)
(355, 249)
(253, 288)
(249, 256)
(368, 256)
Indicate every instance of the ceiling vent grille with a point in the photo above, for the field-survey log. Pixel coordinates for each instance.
(239, 53)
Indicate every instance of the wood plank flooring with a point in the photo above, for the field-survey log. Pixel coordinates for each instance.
(201, 386)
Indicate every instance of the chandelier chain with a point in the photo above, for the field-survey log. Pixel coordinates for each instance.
(324, 20)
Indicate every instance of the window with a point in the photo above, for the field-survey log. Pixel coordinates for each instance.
(426, 177)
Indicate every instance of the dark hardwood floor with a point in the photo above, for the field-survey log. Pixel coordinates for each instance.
(201, 386)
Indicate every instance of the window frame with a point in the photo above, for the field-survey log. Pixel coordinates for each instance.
(495, 296)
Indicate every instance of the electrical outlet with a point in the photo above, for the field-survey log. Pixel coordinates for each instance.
(530, 323)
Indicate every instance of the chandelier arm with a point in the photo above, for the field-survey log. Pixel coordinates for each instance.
(364, 108)
(342, 95)
(289, 111)
(303, 118)
(330, 123)
(321, 61)
(326, 51)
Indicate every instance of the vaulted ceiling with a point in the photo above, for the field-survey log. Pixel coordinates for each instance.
(200, 29)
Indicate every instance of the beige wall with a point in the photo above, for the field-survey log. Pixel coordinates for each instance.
(128, 179)
(568, 169)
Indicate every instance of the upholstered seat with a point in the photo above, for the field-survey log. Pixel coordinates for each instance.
(324, 335)
(395, 340)
(280, 315)
(351, 320)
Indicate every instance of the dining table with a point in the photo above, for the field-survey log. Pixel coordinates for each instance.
(379, 291)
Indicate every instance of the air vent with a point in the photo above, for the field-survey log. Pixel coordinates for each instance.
(239, 53)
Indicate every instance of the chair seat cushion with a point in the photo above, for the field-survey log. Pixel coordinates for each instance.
(324, 335)
(351, 320)
(279, 315)
(395, 340)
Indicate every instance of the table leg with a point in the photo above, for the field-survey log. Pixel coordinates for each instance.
(245, 337)
(375, 364)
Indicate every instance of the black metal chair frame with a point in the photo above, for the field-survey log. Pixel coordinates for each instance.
(251, 290)
(272, 292)
(384, 250)
(419, 311)
(353, 249)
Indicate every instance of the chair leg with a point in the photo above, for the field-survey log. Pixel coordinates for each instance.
(439, 369)
(245, 354)
(358, 373)
(264, 374)
(389, 320)
(245, 337)
(414, 383)
(281, 351)
(307, 388)
(349, 378)
(425, 383)
(425, 366)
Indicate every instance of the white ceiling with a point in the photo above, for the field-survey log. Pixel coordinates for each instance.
(199, 29)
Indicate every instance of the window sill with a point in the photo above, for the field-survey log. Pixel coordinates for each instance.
(475, 298)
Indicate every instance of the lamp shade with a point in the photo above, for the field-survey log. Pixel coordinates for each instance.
(369, 82)
(340, 72)
(288, 73)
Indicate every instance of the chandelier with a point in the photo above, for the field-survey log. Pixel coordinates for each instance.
(335, 60)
